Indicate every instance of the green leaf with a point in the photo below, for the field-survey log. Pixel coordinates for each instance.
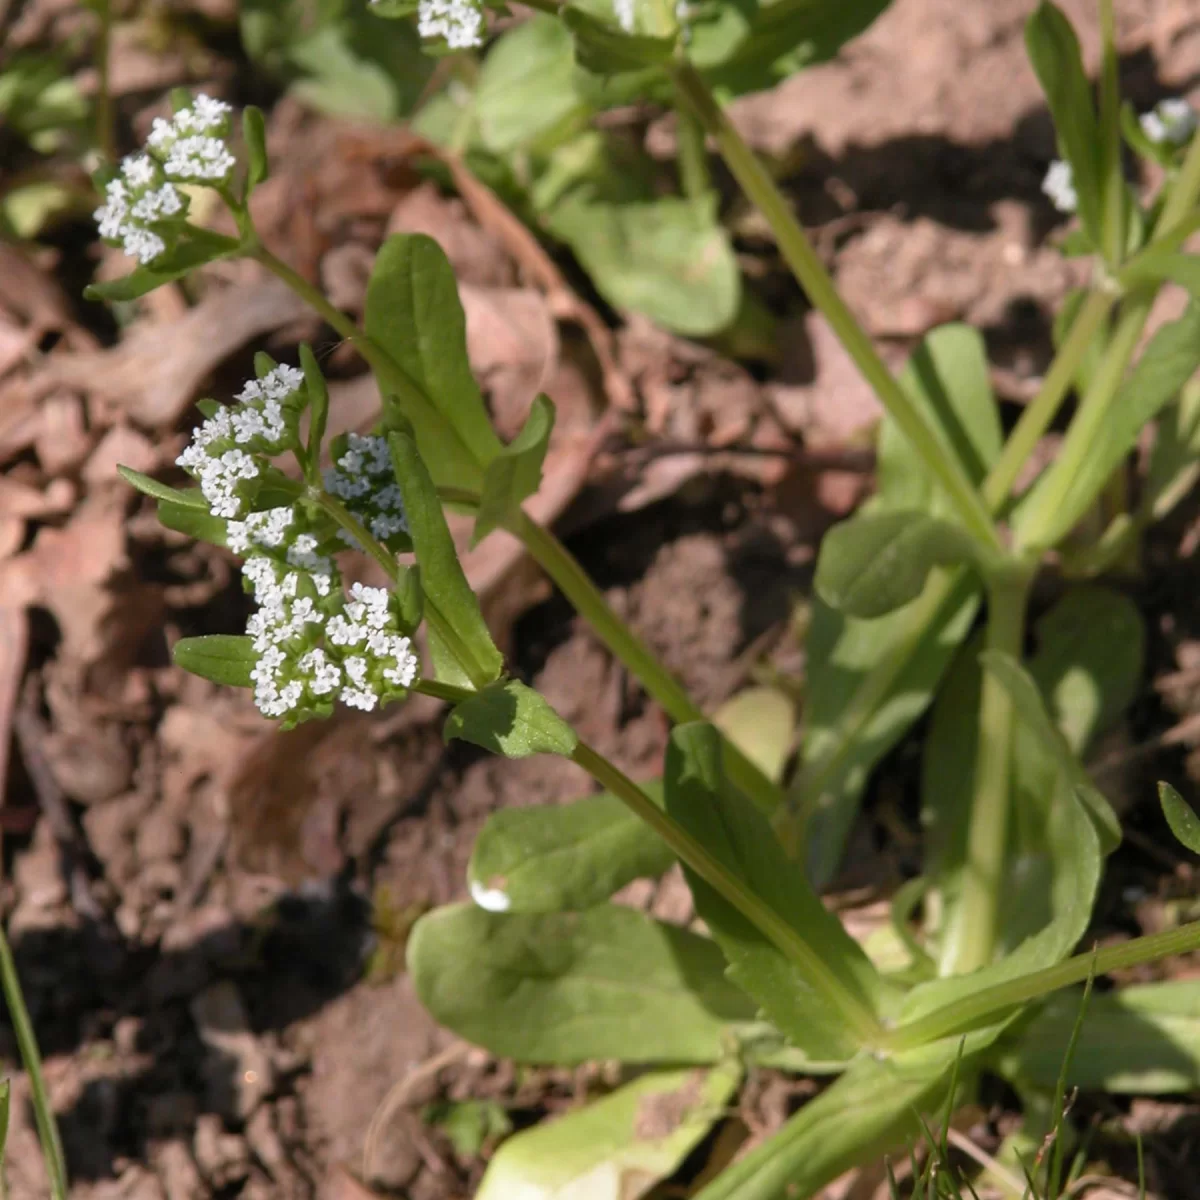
(516, 472)
(1141, 1039)
(738, 836)
(1180, 816)
(450, 604)
(1054, 52)
(469, 1124)
(527, 87)
(356, 66)
(667, 258)
(191, 520)
(160, 491)
(414, 314)
(5, 1099)
(1086, 669)
(773, 40)
(1063, 321)
(1171, 266)
(875, 563)
(871, 1109)
(512, 720)
(868, 683)
(948, 381)
(603, 47)
(566, 988)
(1166, 364)
(222, 658)
(761, 723)
(616, 1148)
(1175, 461)
(201, 247)
(318, 399)
(1032, 711)
(254, 132)
(1051, 892)
(555, 858)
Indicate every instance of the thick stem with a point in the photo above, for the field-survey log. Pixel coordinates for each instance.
(1113, 218)
(694, 177)
(856, 1013)
(1040, 523)
(573, 581)
(43, 1114)
(973, 943)
(799, 254)
(106, 137)
(993, 1002)
(1043, 408)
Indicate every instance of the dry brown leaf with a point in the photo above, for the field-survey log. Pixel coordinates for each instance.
(120, 446)
(67, 571)
(155, 373)
(476, 257)
(495, 218)
(14, 646)
(31, 294)
(62, 440)
(512, 342)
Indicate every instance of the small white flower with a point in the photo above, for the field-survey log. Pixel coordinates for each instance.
(1059, 186)
(134, 203)
(199, 158)
(1170, 122)
(458, 22)
(625, 13)
(191, 145)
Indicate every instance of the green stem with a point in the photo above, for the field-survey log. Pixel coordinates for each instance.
(47, 1126)
(992, 1002)
(315, 299)
(542, 545)
(391, 377)
(573, 581)
(800, 256)
(857, 1014)
(695, 856)
(106, 138)
(1043, 408)
(1042, 521)
(972, 944)
(694, 177)
(1113, 219)
(1185, 191)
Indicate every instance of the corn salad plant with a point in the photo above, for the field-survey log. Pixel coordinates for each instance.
(541, 967)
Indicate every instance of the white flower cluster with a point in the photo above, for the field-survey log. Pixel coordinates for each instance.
(142, 203)
(221, 455)
(1170, 123)
(457, 22)
(191, 145)
(625, 11)
(135, 202)
(1059, 185)
(362, 477)
(314, 646)
(365, 658)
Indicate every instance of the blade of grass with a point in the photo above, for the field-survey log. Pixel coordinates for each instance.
(47, 1126)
